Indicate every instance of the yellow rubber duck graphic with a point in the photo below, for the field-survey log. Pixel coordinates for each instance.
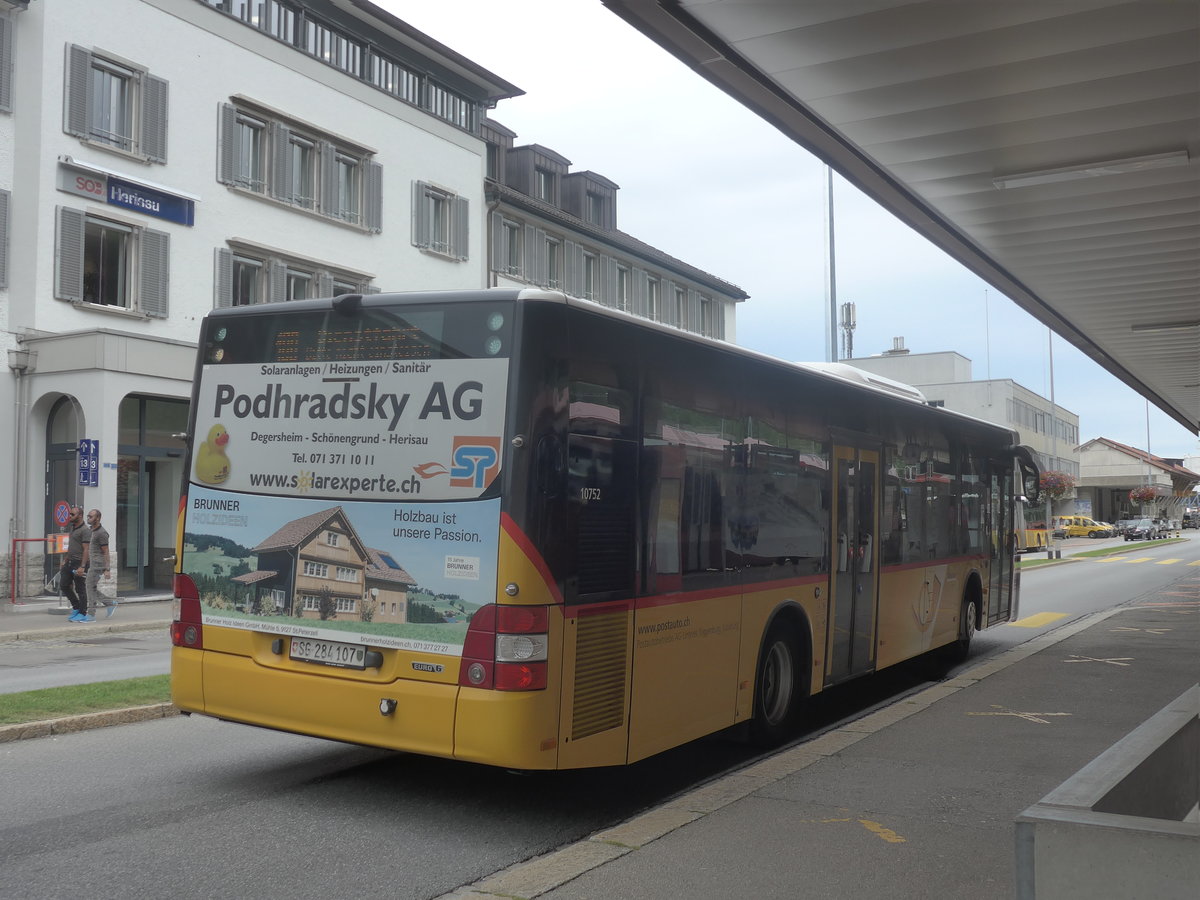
(212, 465)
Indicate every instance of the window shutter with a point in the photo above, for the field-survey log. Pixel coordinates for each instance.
(329, 180)
(373, 190)
(153, 137)
(68, 247)
(693, 309)
(570, 270)
(5, 198)
(532, 260)
(638, 287)
(227, 151)
(6, 64)
(280, 185)
(460, 223)
(606, 291)
(154, 272)
(77, 112)
(497, 243)
(277, 281)
(324, 284)
(223, 278)
(420, 216)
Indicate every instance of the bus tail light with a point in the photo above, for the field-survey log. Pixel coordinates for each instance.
(187, 629)
(506, 648)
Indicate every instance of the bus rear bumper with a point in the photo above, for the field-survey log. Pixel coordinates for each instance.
(232, 687)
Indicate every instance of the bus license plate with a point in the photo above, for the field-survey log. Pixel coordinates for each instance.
(329, 653)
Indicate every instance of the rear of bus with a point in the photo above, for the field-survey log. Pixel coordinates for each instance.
(341, 537)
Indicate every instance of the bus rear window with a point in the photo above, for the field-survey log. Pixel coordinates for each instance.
(459, 331)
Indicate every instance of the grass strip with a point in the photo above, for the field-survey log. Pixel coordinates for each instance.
(72, 700)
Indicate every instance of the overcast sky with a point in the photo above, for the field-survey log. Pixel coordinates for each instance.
(705, 180)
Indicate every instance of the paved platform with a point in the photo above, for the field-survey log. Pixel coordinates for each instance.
(916, 800)
(38, 619)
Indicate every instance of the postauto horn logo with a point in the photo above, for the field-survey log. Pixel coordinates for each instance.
(474, 461)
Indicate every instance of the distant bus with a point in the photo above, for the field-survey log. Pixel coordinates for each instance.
(518, 529)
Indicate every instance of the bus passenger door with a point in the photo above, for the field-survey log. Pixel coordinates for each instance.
(855, 580)
(1001, 539)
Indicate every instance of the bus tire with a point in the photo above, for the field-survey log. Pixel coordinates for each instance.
(958, 651)
(779, 686)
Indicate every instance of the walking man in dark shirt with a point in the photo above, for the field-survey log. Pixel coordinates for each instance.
(95, 564)
(70, 576)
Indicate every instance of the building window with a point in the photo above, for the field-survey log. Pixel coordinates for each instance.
(553, 263)
(332, 48)
(306, 170)
(109, 104)
(345, 573)
(440, 221)
(311, 603)
(679, 308)
(303, 191)
(706, 317)
(622, 288)
(395, 79)
(316, 569)
(346, 604)
(332, 538)
(653, 298)
(247, 281)
(329, 44)
(299, 285)
(110, 263)
(543, 187)
(512, 248)
(591, 277)
(249, 149)
(246, 276)
(594, 208)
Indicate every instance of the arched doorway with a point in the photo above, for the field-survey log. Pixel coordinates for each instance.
(149, 479)
(64, 427)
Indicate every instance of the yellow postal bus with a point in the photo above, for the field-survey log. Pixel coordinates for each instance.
(523, 530)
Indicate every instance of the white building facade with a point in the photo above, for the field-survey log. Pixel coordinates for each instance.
(163, 157)
(1051, 431)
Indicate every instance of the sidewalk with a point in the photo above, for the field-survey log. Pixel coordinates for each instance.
(41, 619)
(916, 800)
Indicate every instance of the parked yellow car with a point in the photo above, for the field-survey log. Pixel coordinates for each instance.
(1080, 526)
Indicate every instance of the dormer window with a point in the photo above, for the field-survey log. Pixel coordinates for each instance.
(544, 185)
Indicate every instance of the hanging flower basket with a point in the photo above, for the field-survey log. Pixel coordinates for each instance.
(1056, 485)
(1143, 494)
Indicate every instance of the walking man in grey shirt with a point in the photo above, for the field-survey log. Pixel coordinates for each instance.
(95, 559)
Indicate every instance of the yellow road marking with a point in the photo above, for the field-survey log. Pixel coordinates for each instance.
(1133, 559)
(1027, 716)
(1112, 559)
(1167, 562)
(1196, 563)
(886, 833)
(1038, 620)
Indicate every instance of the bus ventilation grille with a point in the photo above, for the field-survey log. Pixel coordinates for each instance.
(601, 648)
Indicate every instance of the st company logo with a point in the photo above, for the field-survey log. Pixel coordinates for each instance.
(474, 461)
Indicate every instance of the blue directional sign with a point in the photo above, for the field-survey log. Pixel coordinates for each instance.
(89, 463)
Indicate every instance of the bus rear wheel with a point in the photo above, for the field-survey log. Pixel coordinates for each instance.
(961, 648)
(778, 687)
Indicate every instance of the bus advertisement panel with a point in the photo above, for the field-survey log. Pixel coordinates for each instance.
(336, 500)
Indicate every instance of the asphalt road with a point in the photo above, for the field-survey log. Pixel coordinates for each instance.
(196, 808)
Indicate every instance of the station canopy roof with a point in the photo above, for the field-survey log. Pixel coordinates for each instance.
(1053, 148)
